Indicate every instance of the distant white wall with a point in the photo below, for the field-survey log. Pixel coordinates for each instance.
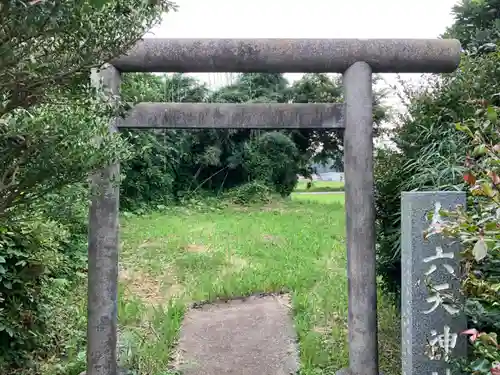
(329, 176)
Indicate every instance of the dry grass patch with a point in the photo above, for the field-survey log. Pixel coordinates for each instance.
(235, 264)
(153, 290)
(271, 238)
(333, 320)
(196, 248)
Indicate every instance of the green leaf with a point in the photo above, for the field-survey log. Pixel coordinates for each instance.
(492, 115)
(487, 188)
(482, 365)
(461, 127)
(479, 150)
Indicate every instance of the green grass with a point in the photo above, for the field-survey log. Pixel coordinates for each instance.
(319, 186)
(172, 258)
(333, 198)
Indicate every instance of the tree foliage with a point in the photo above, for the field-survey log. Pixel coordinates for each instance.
(478, 229)
(38, 153)
(50, 124)
(448, 139)
(477, 25)
(55, 43)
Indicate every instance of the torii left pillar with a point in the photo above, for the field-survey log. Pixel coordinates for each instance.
(102, 250)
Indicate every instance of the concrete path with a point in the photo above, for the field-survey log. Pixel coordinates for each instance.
(254, 336)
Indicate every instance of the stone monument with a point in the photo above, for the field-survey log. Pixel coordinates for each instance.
(431, 304)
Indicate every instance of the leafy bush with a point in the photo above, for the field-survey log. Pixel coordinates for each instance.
(53, 133)
(69, 207)
(430, 152)
(148, 176)
(46, 154)
(273, 159)
(485, 353)
(252, 192)
(478, 229)
(29, 258)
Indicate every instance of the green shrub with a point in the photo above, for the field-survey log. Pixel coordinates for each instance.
(478, 229)
(429, 152)
(273, 159)
(148, 176)
(43, 256)
(69, 207)
(252, 192)
(30, 256)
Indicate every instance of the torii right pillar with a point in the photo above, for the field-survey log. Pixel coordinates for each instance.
(360, 220)
(360, 206)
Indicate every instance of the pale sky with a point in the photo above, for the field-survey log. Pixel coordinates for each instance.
(306, 19)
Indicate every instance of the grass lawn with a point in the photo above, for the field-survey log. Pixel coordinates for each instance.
(182, 255)
(331, 198)
(319, 186)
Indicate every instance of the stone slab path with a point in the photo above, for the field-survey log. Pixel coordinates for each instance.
(252, 336)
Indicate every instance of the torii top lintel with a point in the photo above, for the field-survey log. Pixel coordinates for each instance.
(291, 55)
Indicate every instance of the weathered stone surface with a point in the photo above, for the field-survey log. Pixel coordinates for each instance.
(291, 55)
(254, 336)
(344, 371)
(239, 116)
(429, 327)
(120, 371)
(103, 254)
(360, 220)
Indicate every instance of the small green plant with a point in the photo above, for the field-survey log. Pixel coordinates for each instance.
(486, 350)
(253, 192)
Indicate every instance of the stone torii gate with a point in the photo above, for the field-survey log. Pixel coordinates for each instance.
(356, 59)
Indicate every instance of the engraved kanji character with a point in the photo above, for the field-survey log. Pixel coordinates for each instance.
(440, 254)
(448, 372)
(437, 299)
(442, 344)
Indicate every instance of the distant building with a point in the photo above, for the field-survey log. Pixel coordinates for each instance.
(325, 172)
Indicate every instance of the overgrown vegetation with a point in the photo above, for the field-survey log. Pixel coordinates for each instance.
(49, 121)
(449, 139)
(430, 152)
(478, 229)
